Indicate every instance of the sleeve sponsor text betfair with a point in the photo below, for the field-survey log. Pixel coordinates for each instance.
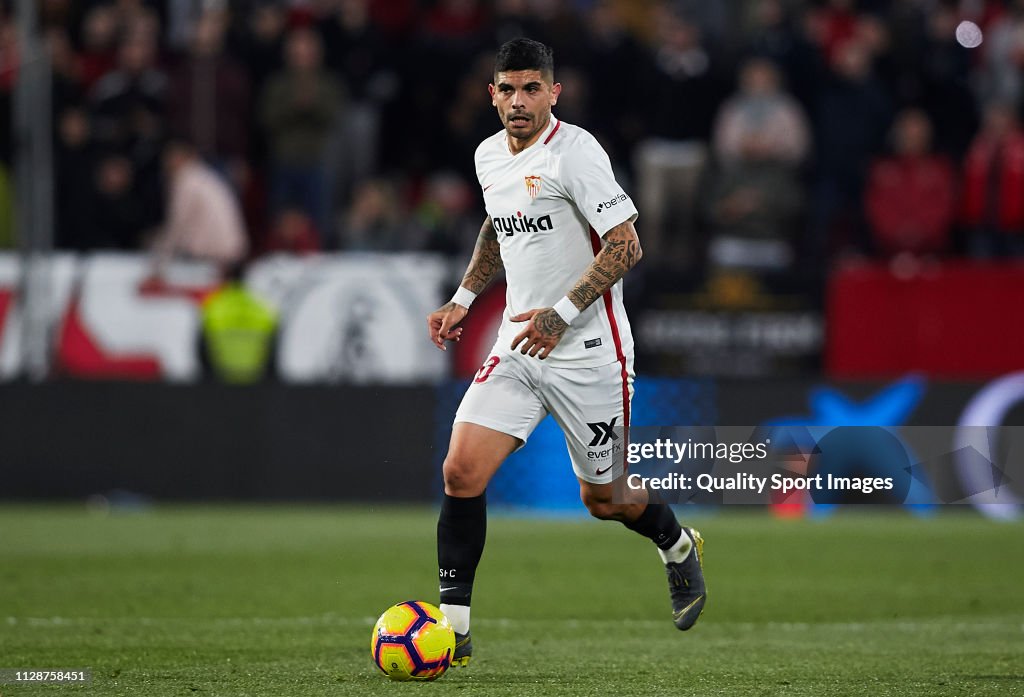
(614, 200)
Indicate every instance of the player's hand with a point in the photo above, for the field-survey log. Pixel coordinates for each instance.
(542, 334)
(442, 324)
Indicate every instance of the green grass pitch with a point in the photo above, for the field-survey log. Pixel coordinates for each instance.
(280, 601)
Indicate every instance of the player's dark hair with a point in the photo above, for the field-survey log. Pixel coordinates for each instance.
(525, 54)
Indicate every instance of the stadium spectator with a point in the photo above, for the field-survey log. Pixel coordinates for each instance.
(1001, 77)
(373, 221)
(451, 36)
(203, 217)
(762, 121)
(910, 200)
(129, 101)
(612, 55)
(356, 51)
(754, 193)
(993, 186)
(118, 215)
(683, 73)
(907, 25)
(209, 100)
(946, 70)
(673, 153)
(300, 108)
(852, 116)
(293, 233)
(65, 69)
(470, 116)
(257, 40)
(446, 221)
(773, 33)
(128, 108)
(98, 54)
(75, 159)
(832, 25)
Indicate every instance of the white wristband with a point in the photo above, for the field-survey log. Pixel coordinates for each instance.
(464, 296)
(566, 310)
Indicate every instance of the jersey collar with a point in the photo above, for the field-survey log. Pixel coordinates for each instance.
(552, 126)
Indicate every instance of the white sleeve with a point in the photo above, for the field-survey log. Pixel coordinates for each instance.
(586, 174)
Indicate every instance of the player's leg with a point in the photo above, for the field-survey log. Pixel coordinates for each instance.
(592, 407)
(635, 509)
(496, 416)
(681, 549)
(474, 455)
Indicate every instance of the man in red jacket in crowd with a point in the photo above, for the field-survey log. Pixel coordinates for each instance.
(993, 186)
(911, 194)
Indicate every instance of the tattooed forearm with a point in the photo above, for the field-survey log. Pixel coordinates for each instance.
(620, 253)
(548, 323)
(585, 292)
(486, 261)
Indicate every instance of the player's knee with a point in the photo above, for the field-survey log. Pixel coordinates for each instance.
(462, 477)
(600, 506)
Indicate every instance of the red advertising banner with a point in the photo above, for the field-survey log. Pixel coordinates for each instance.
(957, 320)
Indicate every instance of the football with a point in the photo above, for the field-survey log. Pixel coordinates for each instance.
(412, 641)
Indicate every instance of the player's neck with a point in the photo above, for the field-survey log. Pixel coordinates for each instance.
(516, 145)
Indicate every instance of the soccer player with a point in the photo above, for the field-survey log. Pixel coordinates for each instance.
(562, 229)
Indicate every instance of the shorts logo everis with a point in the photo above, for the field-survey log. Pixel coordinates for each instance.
(603, 432)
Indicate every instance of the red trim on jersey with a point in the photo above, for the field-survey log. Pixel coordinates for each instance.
(595, 243)
(553, 131)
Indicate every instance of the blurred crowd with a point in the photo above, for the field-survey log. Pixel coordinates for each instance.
(753, 133)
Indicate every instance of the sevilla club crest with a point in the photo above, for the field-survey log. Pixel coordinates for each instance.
(532, 185)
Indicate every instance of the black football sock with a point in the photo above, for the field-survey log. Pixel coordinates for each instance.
(659, 523)
(461, 530)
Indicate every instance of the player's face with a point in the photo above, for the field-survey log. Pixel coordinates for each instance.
(524, 99)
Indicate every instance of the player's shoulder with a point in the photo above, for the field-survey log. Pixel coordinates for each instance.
(568, 135)
(574, 142)
(492, 146)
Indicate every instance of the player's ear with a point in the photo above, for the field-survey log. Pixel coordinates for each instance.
(490, 91)
(556, 89)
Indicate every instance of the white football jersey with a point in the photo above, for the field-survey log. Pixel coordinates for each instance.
(550, 205)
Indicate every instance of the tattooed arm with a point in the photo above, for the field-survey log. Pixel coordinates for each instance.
(486, 261)
(442, 323)
(620, 253)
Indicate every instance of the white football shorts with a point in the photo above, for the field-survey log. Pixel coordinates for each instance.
(512, 393)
